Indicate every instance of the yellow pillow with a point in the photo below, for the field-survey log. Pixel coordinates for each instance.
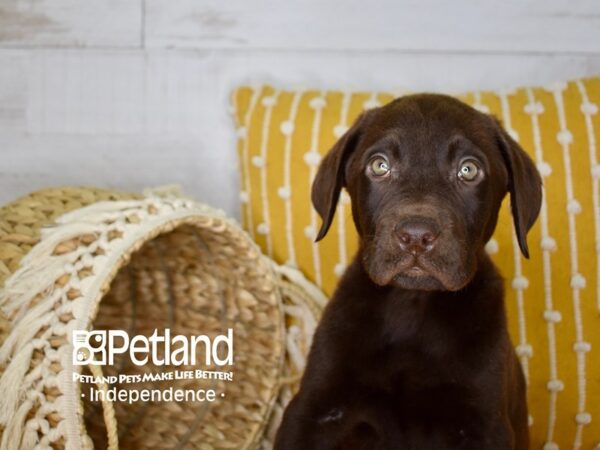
(552, 300)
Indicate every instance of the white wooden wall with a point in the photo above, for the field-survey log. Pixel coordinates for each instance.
(134, 93)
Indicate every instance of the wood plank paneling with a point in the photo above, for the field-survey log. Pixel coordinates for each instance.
(71, 23)
(131, 93)
(129, 163)
(13, 93)
(115, 92)
(179, 92)
(135, 118)
(434, 25)
(495, 25)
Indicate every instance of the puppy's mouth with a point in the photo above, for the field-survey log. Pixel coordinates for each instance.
(415, 271)
(419, 273)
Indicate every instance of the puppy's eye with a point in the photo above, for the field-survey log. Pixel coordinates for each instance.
(379, 166)
(468, 170)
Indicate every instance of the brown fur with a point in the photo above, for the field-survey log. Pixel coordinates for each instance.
(412, 352)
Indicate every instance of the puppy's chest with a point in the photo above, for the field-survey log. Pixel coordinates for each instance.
(406, 365)
(408, 350)
(415, 391)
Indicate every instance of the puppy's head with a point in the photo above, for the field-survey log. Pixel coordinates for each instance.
(426, 175)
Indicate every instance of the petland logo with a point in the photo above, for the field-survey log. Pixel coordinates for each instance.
(99, 347)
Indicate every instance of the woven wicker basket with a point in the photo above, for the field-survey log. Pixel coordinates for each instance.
(78, 258)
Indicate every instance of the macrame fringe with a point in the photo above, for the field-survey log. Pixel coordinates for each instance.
(25, 330)
(39, 271)
(96, 212)
(50, 237)
(13, 433)
(40, 267)
(30, 438)
(25, 285)
(11, 385)
(36, 280)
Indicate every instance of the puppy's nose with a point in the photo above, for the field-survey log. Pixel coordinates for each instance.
(417, 235)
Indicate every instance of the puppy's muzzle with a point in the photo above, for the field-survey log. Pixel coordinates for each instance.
(416, 234)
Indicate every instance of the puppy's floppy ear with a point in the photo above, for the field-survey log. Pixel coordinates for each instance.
(329, 180)
(524, 186)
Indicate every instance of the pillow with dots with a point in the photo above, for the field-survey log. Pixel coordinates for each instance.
(552, 299)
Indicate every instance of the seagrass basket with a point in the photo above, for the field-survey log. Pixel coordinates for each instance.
(90, 259)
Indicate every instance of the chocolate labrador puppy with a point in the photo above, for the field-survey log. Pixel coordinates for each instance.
(412, 352)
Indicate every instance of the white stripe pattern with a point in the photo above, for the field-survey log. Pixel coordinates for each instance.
(548, 245)
(558, 273)
(565, 137)
(285, 191)
(260, 162)
(589, 109)
(478, 105)
(372, 101)
(312, 158)
(243, 134)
